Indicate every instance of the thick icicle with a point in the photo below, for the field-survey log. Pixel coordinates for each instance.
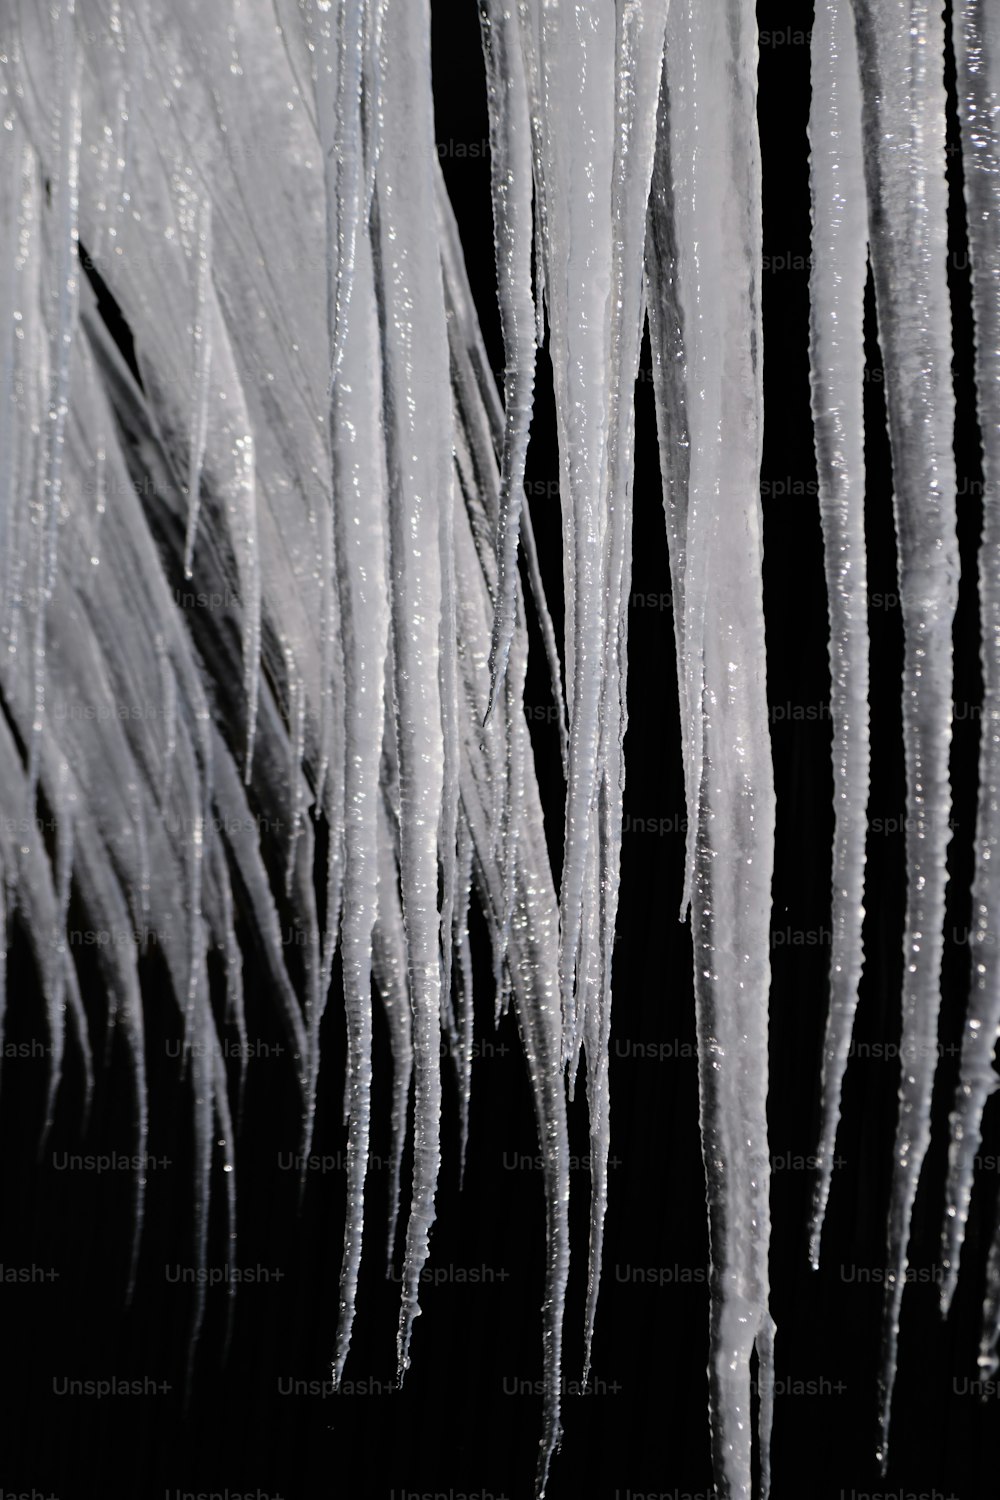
(575, 61)
(639, 49)
(836, 300)
(360, 515)
(704, 274)
(419, 443)
(976, 32)
(901, 57)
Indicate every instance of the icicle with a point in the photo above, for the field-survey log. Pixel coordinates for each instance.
(389, 968)
(548, 634)
(168, 688)
(900, 51)
(638, 71)
(344, 210)
(201, 335)
(244, 455)
(10, 172)
(67, 154)
(533, 967)
(408, 281)
(464, 1009)
(105, 908)
(224, 1128)
(837, 293)
(576, 59)
(38, 899)
(976, 32)
(235, 1014)
(596, 1035)
(448, 830)
(704, 265)
(510, 171)
(63, 875)
(296, 753)
(361, 520)
(244, 847)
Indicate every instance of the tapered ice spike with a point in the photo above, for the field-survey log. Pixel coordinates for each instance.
(837, 290)
(901, 61)
(704, 269)
(510, 168)
(976, 41)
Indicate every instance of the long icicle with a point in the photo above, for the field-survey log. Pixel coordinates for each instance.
(361, 526)
(837, 354)
(510, 171)
(575, 84)
(639, 64)
(705, 320)
(976, 34)
(415, 362)
(901, 58)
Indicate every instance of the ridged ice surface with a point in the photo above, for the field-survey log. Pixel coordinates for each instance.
(264, 633)
(900, 55)
(976, 31)
(837, 355)
(704, 302)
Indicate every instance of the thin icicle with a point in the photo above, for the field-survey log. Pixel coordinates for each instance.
(901, 57)
(389, 969)
(510, 172)
(464, 1018)
(976, 32)
(448, 831)
(296, 752)
(66, 199)
(533, 969)
(837, 355)
(201, 337)
(548, 634)
(345, 151)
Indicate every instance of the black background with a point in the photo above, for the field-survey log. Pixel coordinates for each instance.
(458, 1428)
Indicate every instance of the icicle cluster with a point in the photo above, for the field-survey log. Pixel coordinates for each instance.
(249, 584)
(347, 493)
(877, 133)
